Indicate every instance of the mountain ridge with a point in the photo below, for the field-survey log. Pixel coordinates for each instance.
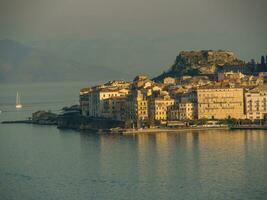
(23, 63)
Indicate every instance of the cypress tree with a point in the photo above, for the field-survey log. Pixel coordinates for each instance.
(253, 66)
(262, 61)
(262, 65)
(253, 62)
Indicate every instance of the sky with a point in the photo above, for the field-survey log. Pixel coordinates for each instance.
(190, 24)
(45, 19)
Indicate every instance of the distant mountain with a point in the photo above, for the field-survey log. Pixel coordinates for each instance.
(128, 55)
(148, 54)
(23, 63)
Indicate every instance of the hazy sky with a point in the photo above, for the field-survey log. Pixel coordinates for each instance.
(46, 19)
(137, 36)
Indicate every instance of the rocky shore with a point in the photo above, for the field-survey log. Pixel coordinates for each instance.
(69, 118)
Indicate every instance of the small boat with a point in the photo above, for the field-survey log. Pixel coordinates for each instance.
(18, 104)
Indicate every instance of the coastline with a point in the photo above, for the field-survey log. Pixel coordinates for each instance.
(119, 130)
(102, 126)
(30, 122)
(169, 130)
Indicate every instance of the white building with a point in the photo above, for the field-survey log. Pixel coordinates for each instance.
(96, 100)
(256, 103)
(84, 103)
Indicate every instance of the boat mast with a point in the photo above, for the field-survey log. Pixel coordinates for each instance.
(18, 99)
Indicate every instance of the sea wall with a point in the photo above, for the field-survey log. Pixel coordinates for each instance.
(87, 123)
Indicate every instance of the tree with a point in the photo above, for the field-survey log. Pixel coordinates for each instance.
(252, 65)
(262, 63)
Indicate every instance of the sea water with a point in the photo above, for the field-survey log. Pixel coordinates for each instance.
(45, 163)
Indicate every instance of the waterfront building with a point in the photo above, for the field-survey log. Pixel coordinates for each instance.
(160, 107)
(174, 113)
(96, 99)
(256, 103)
(84, 100)
(137, 109)
(185, 107)
(115, 108)
(220, 103)
(183, 111)
(187, 110)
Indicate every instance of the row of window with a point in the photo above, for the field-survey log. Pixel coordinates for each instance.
(142, 103)
(160, 113)
(112, 95)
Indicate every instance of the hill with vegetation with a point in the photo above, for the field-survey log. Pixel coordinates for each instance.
(205, 62)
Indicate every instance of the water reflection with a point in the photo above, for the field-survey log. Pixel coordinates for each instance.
(184, 163)
(42, 162)
(189, 165)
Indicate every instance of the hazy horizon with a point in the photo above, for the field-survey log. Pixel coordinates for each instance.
(136, 36)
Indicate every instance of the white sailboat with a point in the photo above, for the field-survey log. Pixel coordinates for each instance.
(18, 104)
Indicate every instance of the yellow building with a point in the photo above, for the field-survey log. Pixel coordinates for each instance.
(185, 107)
(187, 110)
(137, 108)
(160, 107)
(183, 111)
(220, 103)
(256, 103)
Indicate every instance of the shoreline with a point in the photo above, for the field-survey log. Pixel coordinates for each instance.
(17, 122)
(29, 122)
(168, 130)
(124, 131)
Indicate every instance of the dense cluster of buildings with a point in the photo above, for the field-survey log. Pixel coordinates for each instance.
(145, 103)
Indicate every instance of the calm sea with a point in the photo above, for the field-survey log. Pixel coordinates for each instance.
(42, 162)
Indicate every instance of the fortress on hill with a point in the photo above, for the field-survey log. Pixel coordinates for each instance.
(206, 62)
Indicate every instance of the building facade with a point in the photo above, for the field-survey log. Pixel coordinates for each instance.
(183, 111)
(160, 107)
(220, 103)
(137, 109)
(169, 81)
(84, 101)
(115, 108)
(256, 103)
(97, 97)
(187, 111)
